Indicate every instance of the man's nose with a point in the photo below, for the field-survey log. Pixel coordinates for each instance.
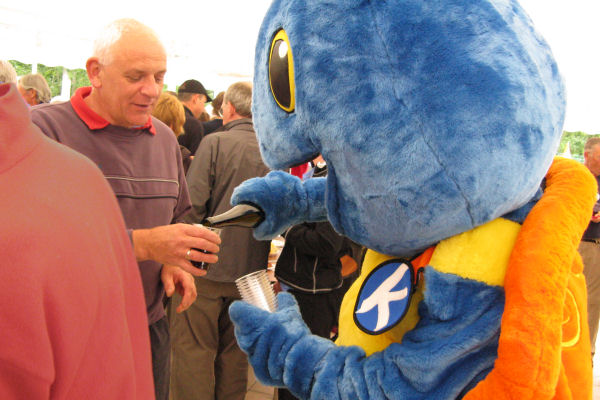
(150, 88)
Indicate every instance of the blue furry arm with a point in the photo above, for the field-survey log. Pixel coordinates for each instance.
(284, 353)
(451, 349)
(272, 342)
(285, 199)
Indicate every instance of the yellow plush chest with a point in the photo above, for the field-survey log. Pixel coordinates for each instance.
(480, 254)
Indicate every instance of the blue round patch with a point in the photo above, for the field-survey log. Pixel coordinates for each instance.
(384, 297)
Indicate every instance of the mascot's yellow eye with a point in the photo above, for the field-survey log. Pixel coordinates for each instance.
(281, 72)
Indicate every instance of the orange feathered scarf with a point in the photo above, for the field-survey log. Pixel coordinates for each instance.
(544, 349)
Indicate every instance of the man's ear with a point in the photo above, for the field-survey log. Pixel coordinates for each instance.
(233, 110)
(93, 68)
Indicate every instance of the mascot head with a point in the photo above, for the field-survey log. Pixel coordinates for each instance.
(434, 116)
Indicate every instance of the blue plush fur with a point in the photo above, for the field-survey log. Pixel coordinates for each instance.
(434, 117)
(416, 106)
(453, 344)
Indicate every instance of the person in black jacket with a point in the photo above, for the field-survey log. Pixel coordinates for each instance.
(309, 267)
(193, 96)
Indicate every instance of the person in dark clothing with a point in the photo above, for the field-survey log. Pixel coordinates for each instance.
(309, 267)
(214, 125)
(216, 120)
(193, 96)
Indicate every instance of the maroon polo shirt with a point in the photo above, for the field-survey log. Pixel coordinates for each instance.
(142, 165)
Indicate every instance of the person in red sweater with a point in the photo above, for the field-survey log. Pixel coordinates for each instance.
(73, 319)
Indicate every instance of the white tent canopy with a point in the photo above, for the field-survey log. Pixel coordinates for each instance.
(213, 41)
(204, 40)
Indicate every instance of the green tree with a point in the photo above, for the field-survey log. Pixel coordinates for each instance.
(53, 76)
(21, 68)
(78, 79)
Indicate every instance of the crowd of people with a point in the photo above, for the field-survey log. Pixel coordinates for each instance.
(102, 229)
(166, 166)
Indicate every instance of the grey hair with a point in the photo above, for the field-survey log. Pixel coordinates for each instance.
(112, 33)
(240, 96)
(38, 83)
(7, 72)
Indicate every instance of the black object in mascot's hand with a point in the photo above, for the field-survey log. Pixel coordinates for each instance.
(242, 215)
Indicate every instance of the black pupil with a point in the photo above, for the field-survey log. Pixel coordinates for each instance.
(279, 74)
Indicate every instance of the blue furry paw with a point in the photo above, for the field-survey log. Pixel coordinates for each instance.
(282, 198)
(268, 337)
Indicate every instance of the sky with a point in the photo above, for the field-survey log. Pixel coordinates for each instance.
(213, 41)
(572, 30)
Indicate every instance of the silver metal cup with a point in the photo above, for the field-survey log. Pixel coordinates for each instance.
(255, 288)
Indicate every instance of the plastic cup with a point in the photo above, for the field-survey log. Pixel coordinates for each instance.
(255, 288)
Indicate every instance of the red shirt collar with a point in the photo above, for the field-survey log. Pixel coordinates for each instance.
(91, 118)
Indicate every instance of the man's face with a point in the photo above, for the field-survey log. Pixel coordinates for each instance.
(199, 103)
(592, 160)
(131, 83)
(28, 94)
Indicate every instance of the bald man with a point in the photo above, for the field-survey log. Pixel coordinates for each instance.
(111, 123)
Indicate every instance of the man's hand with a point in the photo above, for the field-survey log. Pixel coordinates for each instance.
(175, 244)
(596, 217)
(174, 278)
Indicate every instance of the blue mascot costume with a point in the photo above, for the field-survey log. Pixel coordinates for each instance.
(439, 121)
